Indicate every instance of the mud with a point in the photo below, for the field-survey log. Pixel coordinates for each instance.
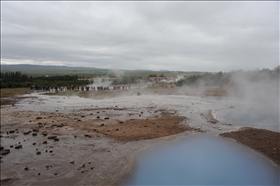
(70, 140)
(264, 141)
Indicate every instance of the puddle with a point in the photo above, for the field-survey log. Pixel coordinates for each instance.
(201, 159)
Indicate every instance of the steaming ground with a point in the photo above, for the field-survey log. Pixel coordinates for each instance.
(88, 139)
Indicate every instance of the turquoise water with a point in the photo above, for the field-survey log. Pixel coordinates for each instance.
(201, 159)
(255, 116)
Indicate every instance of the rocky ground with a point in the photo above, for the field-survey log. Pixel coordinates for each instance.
(264, 141)
(69, 140)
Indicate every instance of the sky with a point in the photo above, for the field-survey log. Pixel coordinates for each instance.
(177, 36)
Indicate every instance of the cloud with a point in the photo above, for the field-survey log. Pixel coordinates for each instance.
(189, 36)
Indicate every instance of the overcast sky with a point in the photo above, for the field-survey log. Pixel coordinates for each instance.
(185, 36)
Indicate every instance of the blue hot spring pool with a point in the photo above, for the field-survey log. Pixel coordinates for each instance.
(251, 115)
(201, 159)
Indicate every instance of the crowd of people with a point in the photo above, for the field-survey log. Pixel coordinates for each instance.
(77, 88)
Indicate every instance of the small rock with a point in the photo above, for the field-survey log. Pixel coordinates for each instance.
(35, 130)
(5, 151)
(33, 143)
(56, 139)
(102, 125)
(38, 152)
(11, 131)
(52, 137)
(26, 168)
(45, 142)
(106, 118)
(34, 134)
(18, 147)
(38, 117)
(72, 162)
(59, 125)
(45, 133)
(26, 133)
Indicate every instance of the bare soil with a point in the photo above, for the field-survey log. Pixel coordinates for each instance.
(164, 124)
(89, 146)
(264, 141)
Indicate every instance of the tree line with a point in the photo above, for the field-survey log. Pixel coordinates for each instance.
(231, 78)
(18, 80)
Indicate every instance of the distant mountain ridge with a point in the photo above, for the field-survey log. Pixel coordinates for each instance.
(29, 67)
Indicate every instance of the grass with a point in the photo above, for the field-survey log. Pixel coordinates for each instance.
(8, 95)
(11, 92)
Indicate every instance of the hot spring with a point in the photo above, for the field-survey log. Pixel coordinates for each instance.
(201, 159)
(253, 115)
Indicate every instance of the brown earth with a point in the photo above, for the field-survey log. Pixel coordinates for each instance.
(93, 145)
(262, 140)
(138, 129)
(134, 126)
